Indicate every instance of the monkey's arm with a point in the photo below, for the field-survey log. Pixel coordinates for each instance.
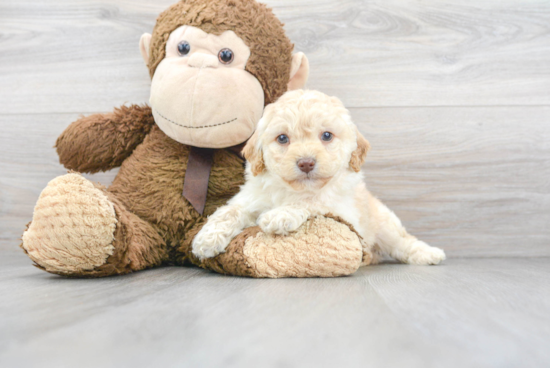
(101, 142)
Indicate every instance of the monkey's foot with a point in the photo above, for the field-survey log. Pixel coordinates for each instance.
(321, 247)
(72, 228)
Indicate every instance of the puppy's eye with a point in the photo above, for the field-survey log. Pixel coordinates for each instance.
(326, 136)
(226, 56)
(183, 48)
(282, 139)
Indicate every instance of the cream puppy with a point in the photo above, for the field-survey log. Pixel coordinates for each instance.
(304, 160)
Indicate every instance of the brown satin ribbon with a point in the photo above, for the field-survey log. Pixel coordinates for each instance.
(195, 184)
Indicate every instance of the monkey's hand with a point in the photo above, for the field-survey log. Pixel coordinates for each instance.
(101, 142)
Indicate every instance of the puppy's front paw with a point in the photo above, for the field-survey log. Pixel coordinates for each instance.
(423, 254)
(226, 223)
(209, 243)
(282, 221)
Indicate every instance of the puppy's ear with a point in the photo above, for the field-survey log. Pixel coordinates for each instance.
(252, 152)
(360, 154)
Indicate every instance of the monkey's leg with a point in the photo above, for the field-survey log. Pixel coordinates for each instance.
(321, 247)
(81, 230)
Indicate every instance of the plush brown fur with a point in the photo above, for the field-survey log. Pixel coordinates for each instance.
(153, 191)
(262, 32)
(101, 142)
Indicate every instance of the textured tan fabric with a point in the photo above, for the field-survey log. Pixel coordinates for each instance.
(233, 261)
(322, 247)
(73, 226)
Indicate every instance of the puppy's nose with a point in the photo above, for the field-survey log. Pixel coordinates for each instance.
(306, 164)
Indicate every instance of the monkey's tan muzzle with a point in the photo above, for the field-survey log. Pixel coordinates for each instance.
(203, 105)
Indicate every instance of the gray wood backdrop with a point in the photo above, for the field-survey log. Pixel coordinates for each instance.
(454, 97)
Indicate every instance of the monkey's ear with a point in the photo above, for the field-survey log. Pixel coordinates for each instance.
(253, 154)
(144, 42)
(359, 156)
(299, 71)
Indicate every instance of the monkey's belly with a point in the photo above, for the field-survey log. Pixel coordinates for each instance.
(150, 182)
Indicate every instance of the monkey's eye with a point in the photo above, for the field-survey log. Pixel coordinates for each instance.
(183, 48)
(282, 139)
(226, 56)
(326, 136)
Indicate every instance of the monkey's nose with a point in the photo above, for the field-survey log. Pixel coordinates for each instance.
(201, 60)
(306, 164)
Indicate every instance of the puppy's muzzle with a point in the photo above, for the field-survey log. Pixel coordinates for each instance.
(306, 164)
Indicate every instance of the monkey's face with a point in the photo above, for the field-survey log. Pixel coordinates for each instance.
(201, 94)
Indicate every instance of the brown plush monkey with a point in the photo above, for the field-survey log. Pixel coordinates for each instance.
(214, 65)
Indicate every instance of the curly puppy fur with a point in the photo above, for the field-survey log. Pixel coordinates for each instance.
(280, 195)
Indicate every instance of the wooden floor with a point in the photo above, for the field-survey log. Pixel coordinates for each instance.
(464, 313)
(454, 96)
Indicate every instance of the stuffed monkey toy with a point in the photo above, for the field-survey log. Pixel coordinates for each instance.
(214, 65)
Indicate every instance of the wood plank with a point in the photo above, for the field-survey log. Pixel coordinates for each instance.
(474, 181)
(67, 56)
(426, 53)
(465, 313)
